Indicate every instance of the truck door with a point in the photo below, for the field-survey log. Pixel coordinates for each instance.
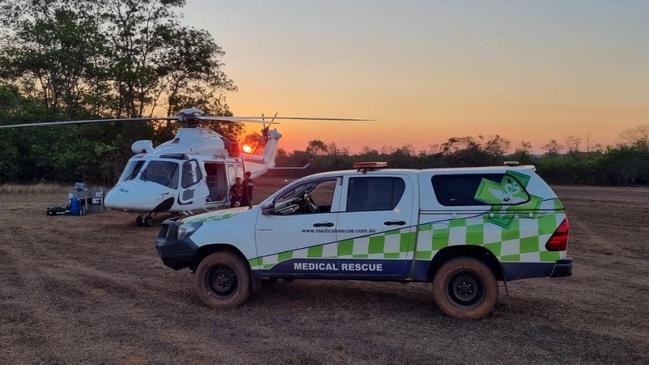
(376, 225)
(193, 188)
(299, 236)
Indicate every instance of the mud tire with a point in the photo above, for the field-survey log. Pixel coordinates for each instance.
(222, 280)
(465, 288)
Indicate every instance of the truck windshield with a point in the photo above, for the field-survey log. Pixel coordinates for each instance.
(161, 172)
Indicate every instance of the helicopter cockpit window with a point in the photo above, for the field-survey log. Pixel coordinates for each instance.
(307, 198)
(161, 172)
(132, 170)
(191, 173)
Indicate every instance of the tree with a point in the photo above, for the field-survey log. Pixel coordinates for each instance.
(524, 148)
(332, 149)
(638, 136)
(52, 52)
(455, 144)
(125, 58)
(497, 146)
(553, 147)
(317, 147)
(367, 150)
(573, 144)
(112, 58)
(523, 153)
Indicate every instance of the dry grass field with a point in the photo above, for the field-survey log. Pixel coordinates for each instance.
(92, 290)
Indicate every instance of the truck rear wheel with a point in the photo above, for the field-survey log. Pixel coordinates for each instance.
(222, 280)
(465, 288)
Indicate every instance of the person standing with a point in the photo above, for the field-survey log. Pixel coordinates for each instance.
(236, 193)
(248, 185)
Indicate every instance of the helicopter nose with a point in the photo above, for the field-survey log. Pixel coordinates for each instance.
(131, 197)
(117, 198)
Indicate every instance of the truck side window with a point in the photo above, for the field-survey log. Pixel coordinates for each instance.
(460, 190)
(374, 193)
(319, 193)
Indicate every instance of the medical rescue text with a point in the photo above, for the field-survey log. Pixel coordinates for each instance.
(329, 266)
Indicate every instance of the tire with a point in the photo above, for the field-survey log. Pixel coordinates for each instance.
(465, 288)
(222, 280)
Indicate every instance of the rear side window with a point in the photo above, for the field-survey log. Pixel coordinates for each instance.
(374, 193)
(478, 189)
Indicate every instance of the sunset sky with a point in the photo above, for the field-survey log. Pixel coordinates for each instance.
(429, 70)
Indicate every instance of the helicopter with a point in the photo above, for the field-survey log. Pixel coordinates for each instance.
(193, 171)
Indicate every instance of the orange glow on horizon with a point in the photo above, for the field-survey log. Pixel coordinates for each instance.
(436, 70)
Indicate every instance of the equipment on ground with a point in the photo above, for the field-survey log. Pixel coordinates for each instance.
(57, 211)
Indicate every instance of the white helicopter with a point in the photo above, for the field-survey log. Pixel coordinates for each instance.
(195, 170)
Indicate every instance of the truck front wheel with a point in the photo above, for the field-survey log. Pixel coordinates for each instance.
(465, 288)
(222, 280)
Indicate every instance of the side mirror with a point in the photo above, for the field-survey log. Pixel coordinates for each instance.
(283, 209)
(268, 209)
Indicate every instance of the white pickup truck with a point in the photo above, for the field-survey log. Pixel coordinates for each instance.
(462, 229)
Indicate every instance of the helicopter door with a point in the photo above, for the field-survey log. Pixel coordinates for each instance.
(193, 190)
(217, 182)
(232, 174)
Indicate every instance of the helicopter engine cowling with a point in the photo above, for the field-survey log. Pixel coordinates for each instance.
(142, 146)
(196, 141)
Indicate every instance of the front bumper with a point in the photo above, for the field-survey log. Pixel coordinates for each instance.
(176, 254)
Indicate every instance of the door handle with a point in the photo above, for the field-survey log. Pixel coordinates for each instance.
(394, 223)
(323, 224)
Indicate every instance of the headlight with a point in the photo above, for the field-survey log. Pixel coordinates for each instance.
(186, 230)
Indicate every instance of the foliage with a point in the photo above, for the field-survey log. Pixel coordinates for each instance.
(65, 59)
(624, 164)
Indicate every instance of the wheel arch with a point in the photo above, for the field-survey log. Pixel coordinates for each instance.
(206, 250)
(478, 252)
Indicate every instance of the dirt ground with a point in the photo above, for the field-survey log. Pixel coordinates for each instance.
(93, 290)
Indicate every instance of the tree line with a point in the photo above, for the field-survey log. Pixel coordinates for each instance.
(570, 162)
(84, 59)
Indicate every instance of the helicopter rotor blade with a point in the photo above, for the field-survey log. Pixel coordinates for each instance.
(206, 118)
(262, 120)
(214, 118)
(88, 121)
(326, 119)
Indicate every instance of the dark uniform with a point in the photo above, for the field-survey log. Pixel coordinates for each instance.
(236, 194)
(248, 185)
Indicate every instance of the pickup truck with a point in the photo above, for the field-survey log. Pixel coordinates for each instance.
(461, 229)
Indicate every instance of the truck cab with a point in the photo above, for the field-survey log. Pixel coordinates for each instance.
(462, 229)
